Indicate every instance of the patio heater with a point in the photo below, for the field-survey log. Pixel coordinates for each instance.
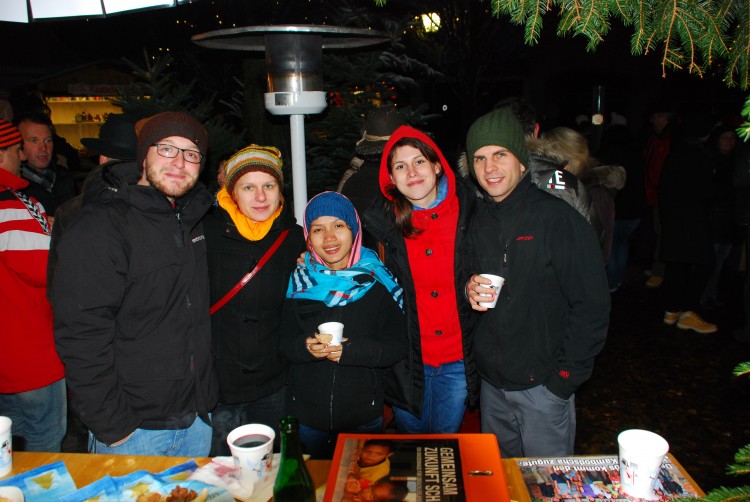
(294, 56)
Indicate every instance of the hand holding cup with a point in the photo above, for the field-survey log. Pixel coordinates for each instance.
(483, 291)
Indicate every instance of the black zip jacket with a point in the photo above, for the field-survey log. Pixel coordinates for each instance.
(551, 319)
(131, 308)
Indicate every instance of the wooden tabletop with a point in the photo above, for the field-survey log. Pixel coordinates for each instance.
(85, 468)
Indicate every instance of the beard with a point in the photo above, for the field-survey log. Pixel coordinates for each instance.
(172, 189)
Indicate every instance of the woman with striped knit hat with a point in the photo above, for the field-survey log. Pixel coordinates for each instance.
(251, 219)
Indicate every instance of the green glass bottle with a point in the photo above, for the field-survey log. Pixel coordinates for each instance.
(293, 483)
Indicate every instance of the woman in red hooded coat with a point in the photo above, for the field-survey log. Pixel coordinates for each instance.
(422, 224)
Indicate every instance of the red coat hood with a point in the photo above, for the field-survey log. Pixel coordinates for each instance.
(384, 178)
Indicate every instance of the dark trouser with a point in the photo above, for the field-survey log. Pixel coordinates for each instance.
(528, 423)
(267, 410)
(683, 285)
(747, 284)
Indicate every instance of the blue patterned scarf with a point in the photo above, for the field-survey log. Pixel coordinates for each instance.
(313, 281)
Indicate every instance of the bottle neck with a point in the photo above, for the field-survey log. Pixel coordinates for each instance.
(290, 443)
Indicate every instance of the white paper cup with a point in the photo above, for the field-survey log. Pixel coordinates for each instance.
(641, 455)
(255, 459)
(6, 446)
(336, 329)
(497, 285)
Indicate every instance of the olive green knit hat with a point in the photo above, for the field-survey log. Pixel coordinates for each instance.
(500, 128)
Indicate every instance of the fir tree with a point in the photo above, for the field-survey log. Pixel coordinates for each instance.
(690, 35)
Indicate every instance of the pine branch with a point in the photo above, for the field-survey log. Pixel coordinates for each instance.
(728, 495)
(690, 35)
(743, 368)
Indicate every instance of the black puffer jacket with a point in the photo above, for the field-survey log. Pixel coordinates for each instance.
(549, 175)
(131, 308)
(246, 329)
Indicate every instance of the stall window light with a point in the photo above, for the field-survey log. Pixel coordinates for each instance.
(45, 9)
(431, 22)
(115, 6)
(15, 11)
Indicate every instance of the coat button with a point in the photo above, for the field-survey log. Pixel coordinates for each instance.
(434, 294)
(438, 332)
(434, 216)
(428, 252)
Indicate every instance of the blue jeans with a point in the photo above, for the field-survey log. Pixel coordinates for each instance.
(443, 404)
(528, 423)
(267, 410)
(40, 417)
(618, 260)
(321, 444)
(195, 441)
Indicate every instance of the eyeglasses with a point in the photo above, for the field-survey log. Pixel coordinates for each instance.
(171, 151)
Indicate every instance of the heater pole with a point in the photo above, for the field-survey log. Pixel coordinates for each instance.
(299, 171)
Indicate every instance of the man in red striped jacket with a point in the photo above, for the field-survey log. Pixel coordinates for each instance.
(32, 385)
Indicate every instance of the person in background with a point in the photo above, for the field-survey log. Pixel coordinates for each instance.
(685, 192)
(117, 142)
(251, 217)
(571, 149)
(537, 346)
(618, 148)
(741, 184)
(32, 385)
(339, 388)
(547, 173)
(422, 222)
(655, 152)
(722, 143)
(360, 182)
(49, 183)
(131, 298)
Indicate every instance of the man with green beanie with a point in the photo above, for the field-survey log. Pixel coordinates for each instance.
(538, 344)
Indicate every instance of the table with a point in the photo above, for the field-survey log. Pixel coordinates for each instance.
(86, 468)
(519, 493)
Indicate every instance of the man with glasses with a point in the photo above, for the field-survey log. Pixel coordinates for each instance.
(131, 299)
(49, 183)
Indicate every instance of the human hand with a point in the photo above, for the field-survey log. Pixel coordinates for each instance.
(301, 259)
(479, 289)
(118, 443)
(334, 351)
(315, 348)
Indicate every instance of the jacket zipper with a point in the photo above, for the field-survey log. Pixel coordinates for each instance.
(333, 385)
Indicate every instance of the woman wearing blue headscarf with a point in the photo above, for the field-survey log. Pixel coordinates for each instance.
(338, 388)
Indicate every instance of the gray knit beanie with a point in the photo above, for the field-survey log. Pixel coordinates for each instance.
(166, 124)
(500, 128)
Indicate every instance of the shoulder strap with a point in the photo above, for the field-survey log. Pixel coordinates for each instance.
(33, 211)
(246, 278)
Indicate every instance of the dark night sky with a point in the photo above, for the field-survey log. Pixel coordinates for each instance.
(557, 74)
